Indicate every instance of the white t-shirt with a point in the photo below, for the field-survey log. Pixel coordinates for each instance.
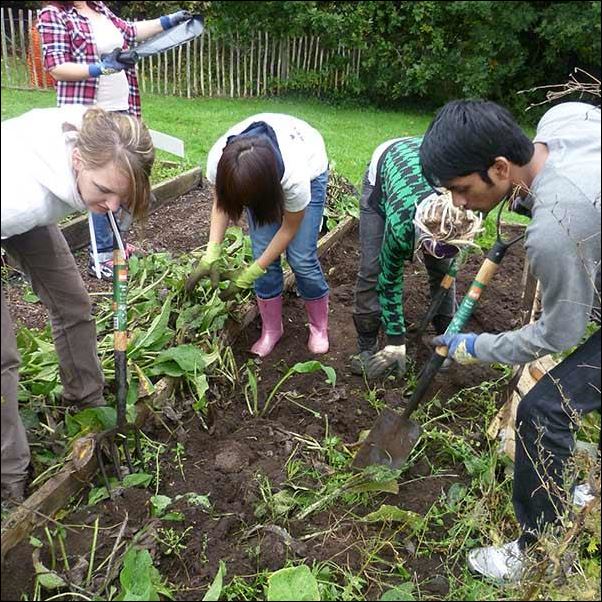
(38, 186)
(380, 149)
(113, 91)
(302, 149)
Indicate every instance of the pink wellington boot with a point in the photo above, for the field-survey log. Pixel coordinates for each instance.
(317, 312)
(271, 325)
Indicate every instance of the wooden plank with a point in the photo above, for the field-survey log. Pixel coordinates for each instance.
(72, 478)
(76, 231)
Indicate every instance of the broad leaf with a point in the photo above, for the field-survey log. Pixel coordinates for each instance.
(293, 583)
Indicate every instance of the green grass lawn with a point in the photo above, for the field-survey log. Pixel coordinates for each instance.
(351, 134)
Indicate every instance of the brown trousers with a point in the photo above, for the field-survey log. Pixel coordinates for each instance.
(44, 256)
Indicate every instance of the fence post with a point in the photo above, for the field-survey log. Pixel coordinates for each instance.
(237, 64)
(12, 36)
(188, 95)
(4, 47)
(265, 63)
(209, 63)
(223, 65)
(202, 74)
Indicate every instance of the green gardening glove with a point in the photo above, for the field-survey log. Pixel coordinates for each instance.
(242, 282)
(207, 266)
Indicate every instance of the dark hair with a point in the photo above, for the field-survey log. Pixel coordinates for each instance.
(247, 176)
(466, 136)
(61, 5)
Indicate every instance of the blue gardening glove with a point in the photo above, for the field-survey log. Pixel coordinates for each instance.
(108, 64)
(173, 19)
(243, 281)
(460, 347)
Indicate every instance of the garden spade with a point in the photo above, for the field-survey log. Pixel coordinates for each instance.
(164, 41)
(118, 434)
(446, 283)
(393, 436)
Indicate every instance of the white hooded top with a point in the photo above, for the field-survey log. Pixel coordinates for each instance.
(38, 185)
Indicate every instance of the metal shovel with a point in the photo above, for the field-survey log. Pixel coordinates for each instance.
(393, 436)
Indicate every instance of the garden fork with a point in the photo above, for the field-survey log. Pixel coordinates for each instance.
(111, 437)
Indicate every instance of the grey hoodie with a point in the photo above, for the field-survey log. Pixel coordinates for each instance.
(563, 239)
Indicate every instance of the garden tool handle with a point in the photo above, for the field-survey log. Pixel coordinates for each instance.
(128, 57)
(120, 285)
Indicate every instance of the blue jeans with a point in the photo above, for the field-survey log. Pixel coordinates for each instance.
(103, 232)
(301, 253)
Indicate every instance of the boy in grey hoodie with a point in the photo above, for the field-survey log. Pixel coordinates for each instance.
(477, 151)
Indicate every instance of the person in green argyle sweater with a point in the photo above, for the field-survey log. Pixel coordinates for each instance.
(393, 187)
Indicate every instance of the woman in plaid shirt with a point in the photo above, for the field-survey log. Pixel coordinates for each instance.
(77, 40)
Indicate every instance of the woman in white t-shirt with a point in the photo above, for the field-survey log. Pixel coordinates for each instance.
(75, 35)
(275, 167)
(80, 159)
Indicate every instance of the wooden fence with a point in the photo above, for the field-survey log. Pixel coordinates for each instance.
(212, 65)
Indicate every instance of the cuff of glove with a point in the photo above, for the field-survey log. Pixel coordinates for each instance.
(396, 339)
(213, 252)
(95, 70)
(246, 279)
(165, 22)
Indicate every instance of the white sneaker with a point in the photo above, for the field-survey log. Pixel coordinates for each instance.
(582, 495)
(501, 564)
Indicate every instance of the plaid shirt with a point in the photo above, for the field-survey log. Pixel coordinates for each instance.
(67, 38)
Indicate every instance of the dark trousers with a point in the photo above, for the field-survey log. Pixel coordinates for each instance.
(547, 419)
(44, 255)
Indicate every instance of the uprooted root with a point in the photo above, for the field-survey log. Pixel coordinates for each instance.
(436, 218)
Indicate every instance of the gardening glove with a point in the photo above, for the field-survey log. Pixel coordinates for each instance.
(460, 347)
(389, 360)
(243, 281)
(207, 266)
(108, 65)
(173, 19)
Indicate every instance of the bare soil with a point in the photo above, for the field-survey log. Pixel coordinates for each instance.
(224, 460)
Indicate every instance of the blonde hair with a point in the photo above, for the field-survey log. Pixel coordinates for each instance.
(106, 137)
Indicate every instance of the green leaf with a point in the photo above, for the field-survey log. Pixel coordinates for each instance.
(388, 513)
(46, 578)
(137, 479)
(157, 328)
(314, 366)
(293, 583)
(377, 486)
(135, 576)
(188, 357)
(402, 592)
(215, 589)
(31, 297)
(92, 420)
(196, 499)
(159, 504)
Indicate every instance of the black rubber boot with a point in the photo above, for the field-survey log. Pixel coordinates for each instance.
(367, 328)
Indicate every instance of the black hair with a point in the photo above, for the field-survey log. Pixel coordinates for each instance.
(466, 136)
